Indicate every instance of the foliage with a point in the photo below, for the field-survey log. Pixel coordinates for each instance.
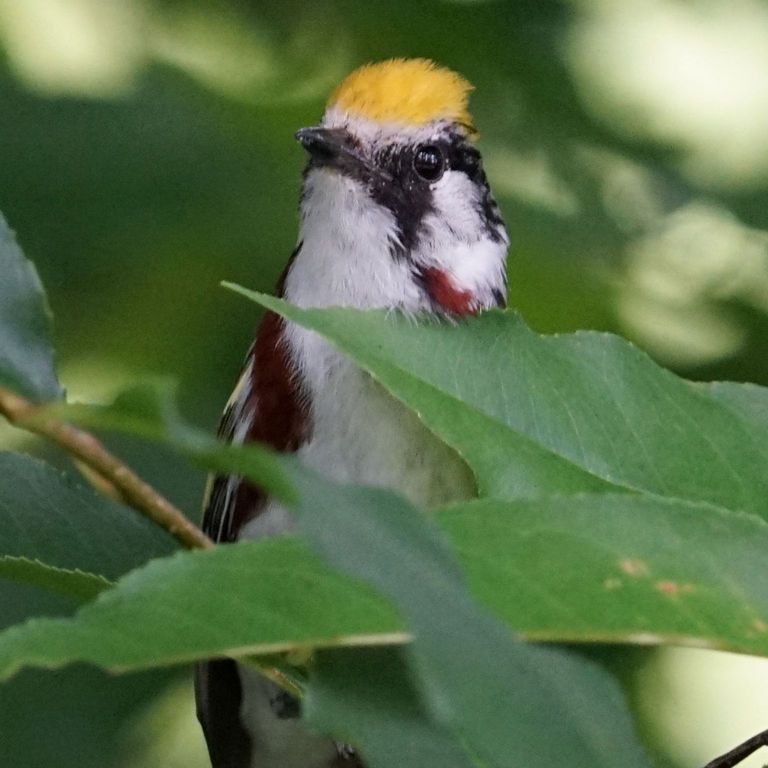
(148, 153)
(617, 502)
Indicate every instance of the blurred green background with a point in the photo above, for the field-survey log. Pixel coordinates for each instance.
(147, 152)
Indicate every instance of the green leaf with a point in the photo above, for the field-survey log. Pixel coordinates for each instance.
(618, 568)
(50, 517)
(26, 350)
(598, 536)
(364, 531)
(193, 606)
(591, 399)
(606, 568)
(75, 584)
(748, 402)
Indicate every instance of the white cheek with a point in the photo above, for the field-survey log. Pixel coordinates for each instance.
(482, 270)
(456, 238)
(454, 198)
(346, 257)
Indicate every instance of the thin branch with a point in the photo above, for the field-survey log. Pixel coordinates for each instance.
(87, 448)
(98, 482)
(742, 752)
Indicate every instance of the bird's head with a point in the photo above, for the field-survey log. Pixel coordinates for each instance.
(393, 158)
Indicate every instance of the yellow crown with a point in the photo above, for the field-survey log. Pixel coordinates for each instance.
(409, 91)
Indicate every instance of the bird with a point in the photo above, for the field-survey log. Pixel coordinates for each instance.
(395, 212)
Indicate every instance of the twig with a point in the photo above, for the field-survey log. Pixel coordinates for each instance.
(99, 482)
(86, 447)
(742, 752)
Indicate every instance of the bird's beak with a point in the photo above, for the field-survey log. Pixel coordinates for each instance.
(331, 147)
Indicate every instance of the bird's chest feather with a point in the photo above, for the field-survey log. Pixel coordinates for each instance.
(362, 434)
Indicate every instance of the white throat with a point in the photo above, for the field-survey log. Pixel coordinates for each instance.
(345, 257)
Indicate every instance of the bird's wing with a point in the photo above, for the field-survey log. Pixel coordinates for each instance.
(266, 406)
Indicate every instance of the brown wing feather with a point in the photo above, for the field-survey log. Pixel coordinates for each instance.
(267, 406)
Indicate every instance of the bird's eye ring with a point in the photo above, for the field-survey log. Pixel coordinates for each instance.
(429, 162)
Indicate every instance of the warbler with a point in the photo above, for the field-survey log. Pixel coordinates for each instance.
(396, 212)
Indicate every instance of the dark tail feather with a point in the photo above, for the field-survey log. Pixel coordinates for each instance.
(218, 691)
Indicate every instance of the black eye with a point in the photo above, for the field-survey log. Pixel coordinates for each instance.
(429, 162)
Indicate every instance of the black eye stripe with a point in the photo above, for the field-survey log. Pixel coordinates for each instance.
(465, 159)
(458, 155)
